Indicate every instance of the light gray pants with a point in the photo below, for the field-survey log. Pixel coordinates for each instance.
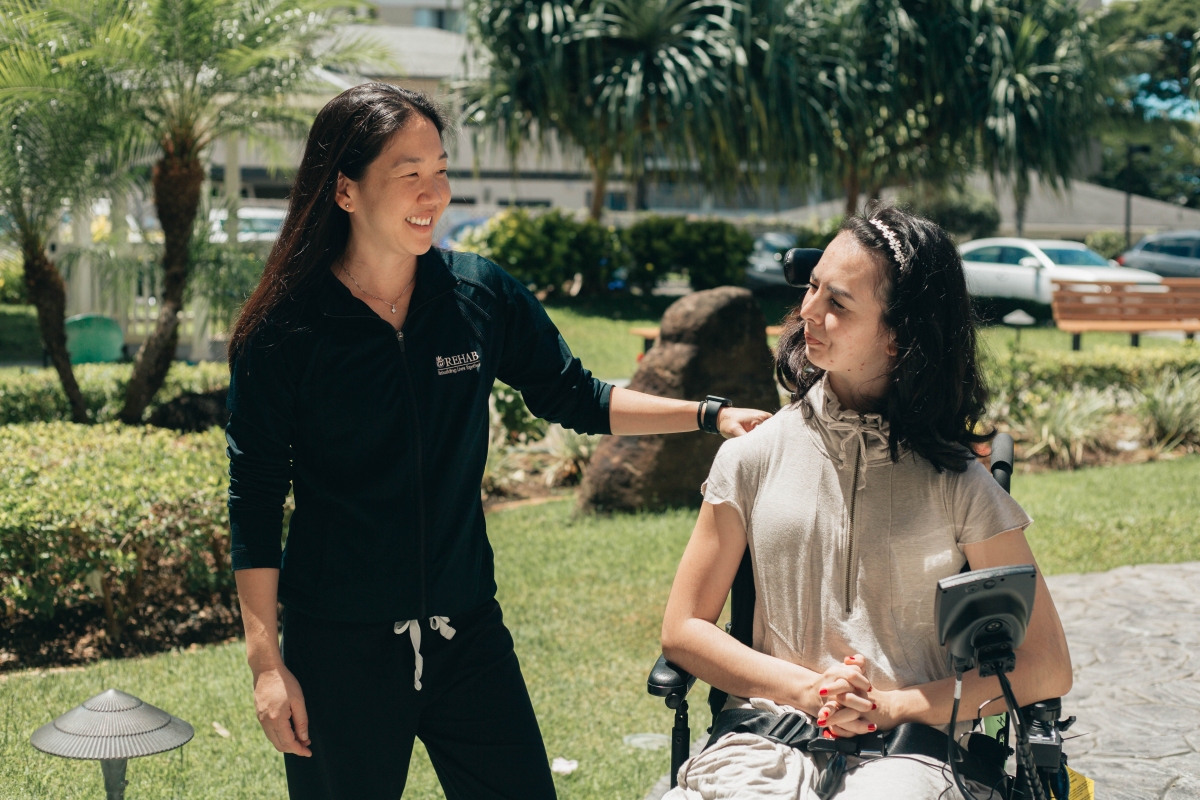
(744, 765)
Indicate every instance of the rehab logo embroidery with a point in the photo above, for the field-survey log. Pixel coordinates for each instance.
(448, 365)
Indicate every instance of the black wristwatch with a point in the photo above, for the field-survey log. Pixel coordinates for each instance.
(706, 414)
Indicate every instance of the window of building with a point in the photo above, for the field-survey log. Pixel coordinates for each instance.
(445, 18)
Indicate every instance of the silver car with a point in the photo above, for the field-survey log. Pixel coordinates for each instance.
(1027, 269)
(1172, 255)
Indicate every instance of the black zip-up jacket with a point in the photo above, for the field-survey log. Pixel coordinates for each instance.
(383, 436)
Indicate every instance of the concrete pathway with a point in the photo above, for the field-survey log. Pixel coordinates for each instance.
(1134, 634)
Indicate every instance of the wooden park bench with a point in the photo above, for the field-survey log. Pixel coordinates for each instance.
(1133, 308)
(649, 335)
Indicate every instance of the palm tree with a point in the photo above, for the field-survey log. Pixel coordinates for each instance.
(887, 78)
(194, 71)
(620, 80)
(1039, 69)
(60, 147)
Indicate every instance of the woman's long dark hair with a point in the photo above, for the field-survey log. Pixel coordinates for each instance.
(348, 134)
(936, 395)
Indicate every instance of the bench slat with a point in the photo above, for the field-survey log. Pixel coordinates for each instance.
(1173, 305)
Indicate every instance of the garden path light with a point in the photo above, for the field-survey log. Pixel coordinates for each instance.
(112, 727)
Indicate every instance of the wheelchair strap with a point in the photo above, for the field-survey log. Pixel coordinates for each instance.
(910, 739)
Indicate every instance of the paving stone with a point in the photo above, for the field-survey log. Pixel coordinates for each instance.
(1119, 779)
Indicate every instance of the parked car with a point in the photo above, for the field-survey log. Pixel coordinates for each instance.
(255, 224)
(1172, 255)
(1026, 269)
(765, 268)
(459, 230)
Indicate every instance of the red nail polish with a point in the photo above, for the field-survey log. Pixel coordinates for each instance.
(824, 692)
(820, 723)
(871, 727)
(874, 706)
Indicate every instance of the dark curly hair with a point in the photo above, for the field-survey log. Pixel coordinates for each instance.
(936, 394)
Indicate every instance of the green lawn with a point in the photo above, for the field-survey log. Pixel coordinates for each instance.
(604, 345)
(19, 336)
(584, 599)
(1104, 517)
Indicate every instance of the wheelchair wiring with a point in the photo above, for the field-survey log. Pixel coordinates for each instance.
(1024, 759)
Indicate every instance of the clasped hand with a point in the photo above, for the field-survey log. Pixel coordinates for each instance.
(848, 702)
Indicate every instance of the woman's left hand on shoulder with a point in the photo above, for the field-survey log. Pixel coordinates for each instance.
(733, 422)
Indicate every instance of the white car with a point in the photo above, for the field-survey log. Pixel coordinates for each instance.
(254, 224)
(1027, 269)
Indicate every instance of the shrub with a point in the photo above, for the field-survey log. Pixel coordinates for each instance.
(1171, 408)
(513, 417)
(12, 279)
(711, 252)
(20, 336)
(569, 454)
(714, 253)
(109, 516)
(548, 250)
(1063, 424)
(36, 395)
(1101, 368)
(1109, 244)
(651, 243)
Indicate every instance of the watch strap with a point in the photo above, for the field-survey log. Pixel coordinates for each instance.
(707, 413)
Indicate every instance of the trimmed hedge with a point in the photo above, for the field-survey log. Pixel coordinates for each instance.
(549, 249)
(1101, 368)
(36, 395)
(110, 516)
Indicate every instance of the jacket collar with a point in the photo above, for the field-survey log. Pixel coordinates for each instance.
(434, 278)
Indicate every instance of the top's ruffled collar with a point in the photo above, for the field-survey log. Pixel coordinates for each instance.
(844, 431)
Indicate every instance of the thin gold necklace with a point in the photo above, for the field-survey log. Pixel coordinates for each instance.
(377, 297)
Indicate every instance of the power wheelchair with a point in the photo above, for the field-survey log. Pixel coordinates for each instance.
(982, 617)
(984, 634)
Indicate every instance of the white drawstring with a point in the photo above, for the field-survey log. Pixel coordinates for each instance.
(413, 626)
(856, 431)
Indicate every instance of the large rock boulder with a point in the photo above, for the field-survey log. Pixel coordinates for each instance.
(710, 342)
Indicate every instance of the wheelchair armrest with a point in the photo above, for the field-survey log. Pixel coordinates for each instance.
(669, 682)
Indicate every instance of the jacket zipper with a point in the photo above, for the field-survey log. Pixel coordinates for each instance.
(420, 474)
(850, 536)
(417, 421)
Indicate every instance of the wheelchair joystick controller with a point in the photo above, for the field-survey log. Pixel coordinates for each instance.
(982, 619)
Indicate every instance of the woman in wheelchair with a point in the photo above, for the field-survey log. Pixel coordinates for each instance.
(855, 500)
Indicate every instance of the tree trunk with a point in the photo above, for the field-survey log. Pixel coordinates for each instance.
(49, 295)
(600, 165)
(177, 179)
(873, 195)
(851, 185)
(1021, 201)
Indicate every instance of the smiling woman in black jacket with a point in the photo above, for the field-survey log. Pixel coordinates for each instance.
(361, 371)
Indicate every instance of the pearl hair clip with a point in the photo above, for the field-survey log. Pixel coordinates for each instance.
(890, 235)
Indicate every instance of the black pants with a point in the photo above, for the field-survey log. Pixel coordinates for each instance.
(472, 713)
